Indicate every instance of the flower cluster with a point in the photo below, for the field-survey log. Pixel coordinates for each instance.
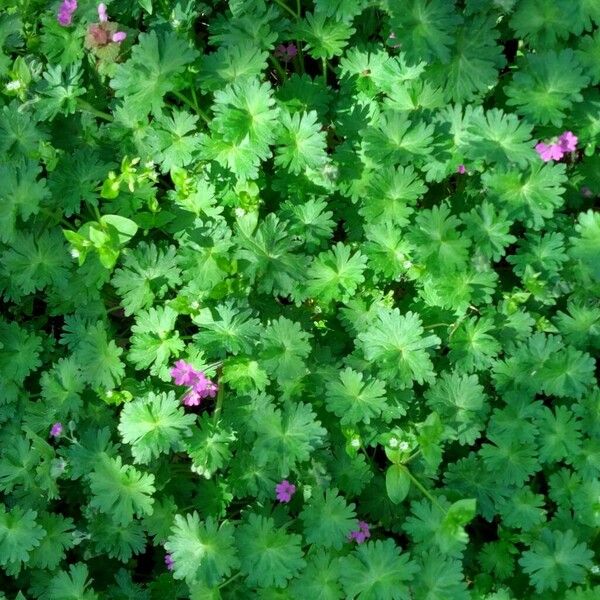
(201, 387)
(56, 430)
(104, 32)
(567, 142)
(286, 53)
(65, 12)
(361, 534)
(169, 562)
(285, 490)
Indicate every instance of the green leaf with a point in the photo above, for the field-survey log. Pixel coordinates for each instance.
(354, 401)
(19, 535)
(302, 142)
(21, 196)
(269, 556)
(285, 438)
(155, 67)
(126, 228)
(73, 585)
(121, 491)
(396, 344)
(155, 341)
(377, 570)
(547, 85)
(425, 28)
(397, 483)
(325, 38)
(209, 446)
(148, 272)
(327, 519)
(555, 558)
(154, 425)
(336, 274)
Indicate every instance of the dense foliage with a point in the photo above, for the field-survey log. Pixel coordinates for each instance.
(300, 300)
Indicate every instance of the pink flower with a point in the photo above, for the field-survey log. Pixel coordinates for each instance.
(200, 386)
(549, 151)
(285, 490)
(119, 37)
(169, 562)
(65, 12)
(183, 373)
(192, 398)
(56, 430)
(286, 53)
(568, 142)
(461, 169)
(102, 14)
(361, 534)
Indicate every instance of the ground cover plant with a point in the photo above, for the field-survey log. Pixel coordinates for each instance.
(300, 299)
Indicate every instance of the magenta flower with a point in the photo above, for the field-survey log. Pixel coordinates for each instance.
(568, 142)
(361, 534)
(461, 169)
(56, 430)
(192, 398)
(200, 386)
(65, 12)
(286, 53)
(169, 562)
(549, 151)
(285, 490)
(119, 37)
(183, 373)
(102, 14)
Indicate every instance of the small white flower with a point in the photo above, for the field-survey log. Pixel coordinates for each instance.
(195, 305)
(13, 86)
(393, 443)
(75, 253)
(239, 212)
(109, 393)
(407, 264)
(355, 443)
(404, 446)
(595, 569)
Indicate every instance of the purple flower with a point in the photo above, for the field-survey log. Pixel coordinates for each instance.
(461, 169)
(586, 192)
(201, 387)
(286, 53)
(568, 142)
(183, 373)
(361, 534)
(119, 37)
(285, 490)
(169, 562)
(549, 151)
(56, 430)
(192, 398)
(65, 12)
(102, 14)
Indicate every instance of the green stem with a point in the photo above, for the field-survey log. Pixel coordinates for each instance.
(420, 486)
(288, 9)
(219, 403)
(324, 62)
(87, 107)
(279, 68)
(412, 456)
(232, 578)
(192, 105)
